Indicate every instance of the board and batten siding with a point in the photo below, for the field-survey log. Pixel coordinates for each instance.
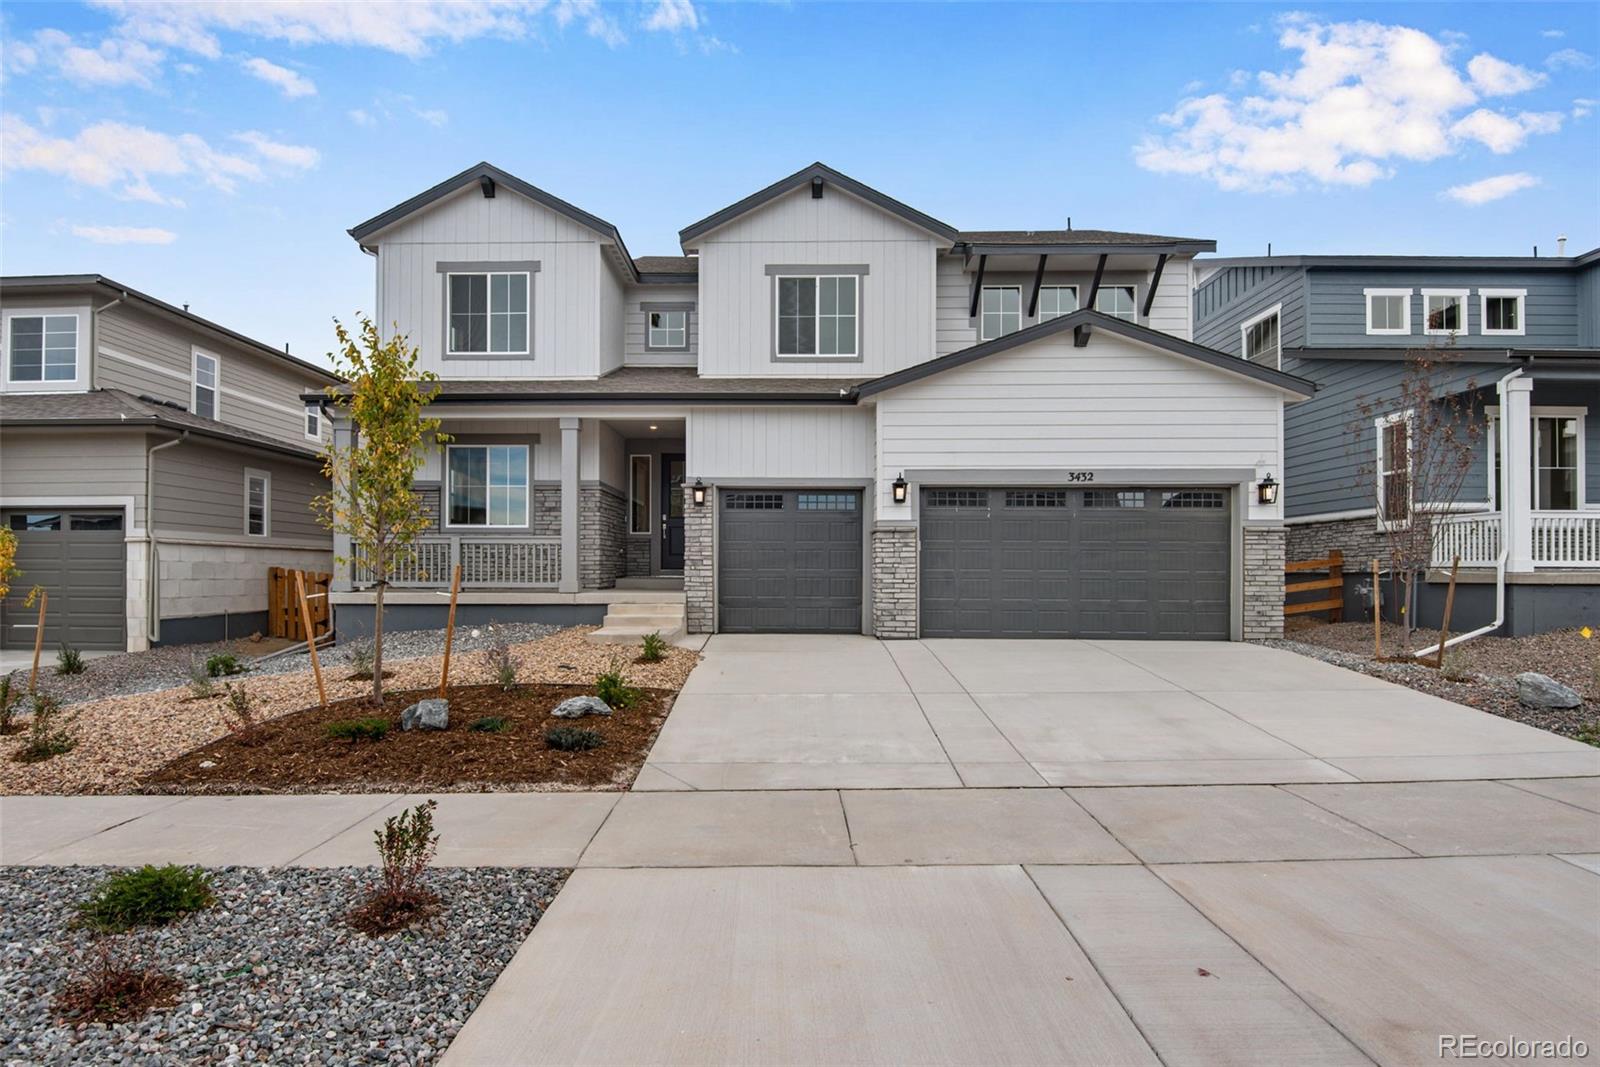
(737, 330)
(73, 465)
(613, 300)
(727, 443)
(1338, 312)
(1235, 295)
(201, 489)
(635, 319)
(1588, 293)
(507, 228)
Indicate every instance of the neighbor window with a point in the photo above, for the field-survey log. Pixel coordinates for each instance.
(1001, 311)
(1260, 339)
(488, 485)
(205, 386)
(44, 348)
(488, 314)
(1388, 311)
(818, 315)
(639, 495)
(1444, 311)
(1116, 301)
(1056, 301)
(1394, 469)
(668, 329)
(1555, 462)
(314, 421)
(1502, 311)
(257, 502)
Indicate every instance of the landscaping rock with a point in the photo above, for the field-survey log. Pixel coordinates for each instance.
(1542, 691)
(578, 707)
(430, 714)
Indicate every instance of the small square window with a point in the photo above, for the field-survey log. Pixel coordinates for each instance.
(667, 329)
(1388, 311)
(43, 348)
(1503, 311)
(1117, 301)
(1056, 301)
(1444, 312)
(1001, 311)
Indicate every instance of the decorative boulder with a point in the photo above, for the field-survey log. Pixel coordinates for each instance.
(430, 714)
(1543, 691)
(578, 707)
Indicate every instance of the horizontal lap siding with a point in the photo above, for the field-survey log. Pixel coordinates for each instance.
(634, 351)
(779, 442)
(1339, 316)
(81, 464)
(200, 489)
(1238, 294)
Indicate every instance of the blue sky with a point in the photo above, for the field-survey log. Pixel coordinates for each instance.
(214, 153)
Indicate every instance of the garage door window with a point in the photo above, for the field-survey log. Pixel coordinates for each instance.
(754, 501)
(956, 498)
(1114, 498)
(1036, 498)
(35, 523)
(826, 501)
(1211, 499)
(98, 523)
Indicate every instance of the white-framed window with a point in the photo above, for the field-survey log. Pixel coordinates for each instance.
(1056, 301)
(1117, 301)
(488, 313)
(1388, 311)
(1500, 312)
(488, 485)
(1557, 457)
(818, 315)
(639, 468)
(1259, 337)
(313, 426)
(1393, 468)
(42, 348)
(667, 329)
(1444, 311)
(999, 311)
(206, 386)
(257, 503)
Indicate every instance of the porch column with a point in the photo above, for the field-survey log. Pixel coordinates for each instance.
(343, 572)
(569, 504)
(1517, 463)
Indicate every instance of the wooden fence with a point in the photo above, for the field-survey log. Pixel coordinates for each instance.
(283, 609)
(1333, 603)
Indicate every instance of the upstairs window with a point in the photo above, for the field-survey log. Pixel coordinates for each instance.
(43, 348)
(1000, 311)
(488, 485)
(818, 315)
(1116, 301)
(667, 329)
(203, 402)
(1388, 311)
(257, 502)
(1444, 311)
(1394, 470)
(314, 421)
(1056, 301)
(488, 314)
(1502, 311)
(1260, 339)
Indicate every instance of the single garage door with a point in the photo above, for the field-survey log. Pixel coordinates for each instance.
(789, 561)
(1110, 563)
(78, 557)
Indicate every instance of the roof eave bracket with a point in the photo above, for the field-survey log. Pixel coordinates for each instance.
(1081, 334)
(1155, 283)
(977, 287)
(486, 183)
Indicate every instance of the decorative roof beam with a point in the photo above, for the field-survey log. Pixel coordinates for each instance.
(1094, 290)
(977, 287)
(1155, 282)
(486, 183)
(1038, 280)
(1080, 334)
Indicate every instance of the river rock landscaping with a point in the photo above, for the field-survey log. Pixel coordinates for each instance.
(271, 973)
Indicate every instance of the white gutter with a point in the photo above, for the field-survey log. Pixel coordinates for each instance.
(1505, 538)
(152, 575)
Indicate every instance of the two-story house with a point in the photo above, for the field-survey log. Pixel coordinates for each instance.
(831, 412)
(153, 466)
(1516, 337)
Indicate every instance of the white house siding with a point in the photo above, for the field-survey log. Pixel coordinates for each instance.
(737, 330)
(634, 317)
(726, 444)
(507, 228)
(613, 298)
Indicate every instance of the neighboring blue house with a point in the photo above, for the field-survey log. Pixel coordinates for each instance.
(1524, 337)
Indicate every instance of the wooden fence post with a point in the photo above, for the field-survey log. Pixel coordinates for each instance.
(38, 642)
(311, 641)
(1449, 606)
(1336, 576)
(449, 632)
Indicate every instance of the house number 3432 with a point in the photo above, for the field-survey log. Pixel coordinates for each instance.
(1080, 476)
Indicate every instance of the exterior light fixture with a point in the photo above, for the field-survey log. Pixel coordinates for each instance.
(900, 489)
(1267, 490)
(699, 490)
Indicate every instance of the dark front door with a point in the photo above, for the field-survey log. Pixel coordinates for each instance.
(672, 511)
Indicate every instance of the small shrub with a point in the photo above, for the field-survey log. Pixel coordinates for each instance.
(10, 701)
(149, 896)
(223, 665)
(115, 988)
(1589, 733)
(361, 660)
(655, 649)
(572, 738)
(201, 685)
(243, 725)
(500, 658)
(47, 735)
(69, 660)
(406, 845)
(1455, 666)
(612, 687)
(370, 729)
(489, 724)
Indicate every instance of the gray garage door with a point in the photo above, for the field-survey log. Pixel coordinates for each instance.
(78, 556)
(1111, 563)
(789, 561)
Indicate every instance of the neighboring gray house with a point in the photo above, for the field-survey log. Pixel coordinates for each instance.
(1520, 332)
(153, 466)
(830, 412)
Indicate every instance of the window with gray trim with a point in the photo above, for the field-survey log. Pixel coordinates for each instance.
(1261, 341)
(1000, 311)
(44, 348)
(1117, 301)
(487, 313)
(1056, 301)
(257, 502)
(488, 485)
(667, 329)
(205, 385)
(818, 315)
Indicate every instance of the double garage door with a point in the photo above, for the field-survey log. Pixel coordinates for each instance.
(78, 556)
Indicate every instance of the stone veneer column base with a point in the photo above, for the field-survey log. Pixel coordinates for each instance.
(1263, 582)
(894, 582)
(602, 554)
(699, 561)
(1359, 540)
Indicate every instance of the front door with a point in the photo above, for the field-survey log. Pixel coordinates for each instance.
(672, 465)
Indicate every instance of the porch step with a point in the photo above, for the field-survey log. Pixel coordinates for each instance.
(628, 623)
(664, 582)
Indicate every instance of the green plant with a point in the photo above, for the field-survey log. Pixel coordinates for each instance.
(149, 896)
(115, 988)
(242, 721)
(572, 738)
(489, 724)
(1455, 666)
(68, 660)
(10, 701)
(612, 687)
(369, 729)
(1589, 733)
(45, 737)
(201, 686)
(223, 664)
(406, 845)
(655, 649)
(500, 658)
(361, 659)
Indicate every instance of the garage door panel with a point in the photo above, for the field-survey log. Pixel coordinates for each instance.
(789, 561)
(80, 558)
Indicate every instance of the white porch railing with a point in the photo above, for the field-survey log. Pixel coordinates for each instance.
(1566, 539)
(486, 562)
(1475, 538)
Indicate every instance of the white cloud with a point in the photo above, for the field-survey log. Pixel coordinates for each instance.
(1583, 106)
(361, 117)
(297, 157)
(125, 235)
(433, 116)
(290, 83)
(1569, 59)
(114, 62)
(1360, 99)
(596, 22)
(1552, 33)
(1482, 192)
(673, 16)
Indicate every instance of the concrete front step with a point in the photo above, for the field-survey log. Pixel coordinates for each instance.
(631, 633)
(656, 608)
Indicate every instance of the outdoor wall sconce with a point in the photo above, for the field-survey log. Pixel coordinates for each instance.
(1267, 490)
(699, 490)
(900, 489)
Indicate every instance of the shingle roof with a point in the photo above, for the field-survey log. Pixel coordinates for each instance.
(1085, 238)
(667, 264)
(114, 407)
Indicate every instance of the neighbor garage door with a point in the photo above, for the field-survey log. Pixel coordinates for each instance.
(789, 561)
(78, 557)
(1111, 563)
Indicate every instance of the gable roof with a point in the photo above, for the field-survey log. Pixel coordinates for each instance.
(804, 177)
(122, 410)
(1277, 379)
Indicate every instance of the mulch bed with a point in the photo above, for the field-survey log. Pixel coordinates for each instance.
(294, 754)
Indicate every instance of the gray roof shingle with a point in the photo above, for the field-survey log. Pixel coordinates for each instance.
(113, 407)
(1075, 237)
(667, 264)
(654, 383)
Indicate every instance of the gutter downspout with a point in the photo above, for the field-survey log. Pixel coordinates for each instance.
(152, 575)
(1505, 540)
(94, 329)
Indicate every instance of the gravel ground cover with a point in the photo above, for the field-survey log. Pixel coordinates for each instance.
(121, 739)
(1490, 665)
(271, 974)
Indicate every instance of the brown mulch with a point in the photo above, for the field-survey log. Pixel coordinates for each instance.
(293, 753)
